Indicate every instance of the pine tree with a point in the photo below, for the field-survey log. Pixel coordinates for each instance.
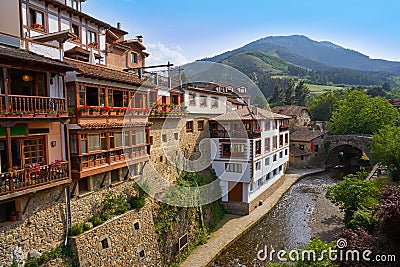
(277, 95)
(301, 93)
(290, 92)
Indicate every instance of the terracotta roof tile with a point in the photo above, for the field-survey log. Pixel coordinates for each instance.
(288, 110)
(105, 73)
(303, 134)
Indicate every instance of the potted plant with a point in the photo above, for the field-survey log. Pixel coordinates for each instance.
(51, 113)
(62, 113)
(83, 110)
(38, 26)
(93, 44)
(13, 216)
(40, 113)
(94, 111)
(104, 110)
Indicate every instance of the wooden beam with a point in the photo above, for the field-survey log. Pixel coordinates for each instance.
(104, 180)
(27, 203)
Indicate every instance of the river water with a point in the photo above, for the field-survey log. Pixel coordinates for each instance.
(301, 213)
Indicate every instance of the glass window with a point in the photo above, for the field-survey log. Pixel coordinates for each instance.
(133, 138)
(34, 151)
(258, 165)
(103, 139)
(214, 103)
(73, 143)
(139, 137)
(203, 101)
(94, 142)
(76, 30)
(267, 144)
(82, 94)
(233, 167)
(133, 57)
(112, 140)
(36, 19)
(84, 143)
(200, 125)
(267, 161)
(126, 138)
(192, 99)
(92, 37)
(189, 127)
(118, 139)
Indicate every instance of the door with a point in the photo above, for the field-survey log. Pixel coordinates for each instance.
(236, 193)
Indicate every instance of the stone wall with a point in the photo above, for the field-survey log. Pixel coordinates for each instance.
(126, 240)
(42, 226)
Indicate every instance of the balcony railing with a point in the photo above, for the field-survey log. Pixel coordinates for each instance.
(20, 180)
(234, 134)
(103, 158)
(23, 105)
(168, 111)
(284, 127)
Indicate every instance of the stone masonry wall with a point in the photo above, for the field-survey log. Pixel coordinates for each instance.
(42, 226)
(126, 240)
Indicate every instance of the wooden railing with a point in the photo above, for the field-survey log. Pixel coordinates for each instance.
(22, 103)
(168, 111)
(28, 178)
(234, 134)
(104, 158)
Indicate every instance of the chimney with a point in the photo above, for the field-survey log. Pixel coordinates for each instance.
(119, 25)
(140, 38)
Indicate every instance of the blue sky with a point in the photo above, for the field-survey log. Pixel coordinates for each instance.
(186, 30)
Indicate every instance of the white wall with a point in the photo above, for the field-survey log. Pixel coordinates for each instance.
(197, 109)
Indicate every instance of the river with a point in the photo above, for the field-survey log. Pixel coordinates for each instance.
(301, 213)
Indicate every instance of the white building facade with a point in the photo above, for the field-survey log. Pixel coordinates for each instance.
(250, 151)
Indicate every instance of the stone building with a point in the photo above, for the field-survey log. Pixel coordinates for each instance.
(300, 116)
(304, 146)
(251, 148)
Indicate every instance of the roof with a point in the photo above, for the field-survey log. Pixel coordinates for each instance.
(246, 113)
(78, 51)
(395, 102)
(289, 110)
(297, 152)
(61, 36)
(17, 57)
(133, 41)
(303, 134)
(236, 102)
(105, 73)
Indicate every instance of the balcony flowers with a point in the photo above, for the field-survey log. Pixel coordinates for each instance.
(83, 110)
(38, 26)
(56, 163)
(93, 44)
(12, 170)
(51, 113)
(94, 110)
(105, 110)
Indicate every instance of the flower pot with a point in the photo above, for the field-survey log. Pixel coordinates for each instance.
(12, 218)
(40, 115)
(84, 113)
(51, 115)
(95, 113)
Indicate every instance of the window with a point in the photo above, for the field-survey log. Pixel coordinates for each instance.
(260, 182)
(258, 147)
(301, 147)
(164, 138)
(258, 165)
(94, 142)
(176, 136)
(151, 140)
(316, 148)
(118, 139)
(203, 101)
(286, 151)
(214, 102)
(84, 143)
(200, 125)
(281, 154)
(280, 168)
(192, 99)
(233, 167)
(133, 138)
(92, 96)
(133, 57)
(73, 143)
(274, 172)
(92, 38)
(286, 138)
(142, 254)
(275, 142)
(183, 241)
(103, 141)
(126, 138)
(36, 20)
(302, 157)
(114, 176)
(75, 4)
(238, 150)
(189, 127)
(281, 140)
(266, 161)
(112, 140)
(136, 226)
(82, 94)
(34, 151)
(104, 243)
(139, 137)
(267, 144)
(274, 158)
(267, 125)
(226, 150)
(76, 30)
(5, 210)
(83, 185)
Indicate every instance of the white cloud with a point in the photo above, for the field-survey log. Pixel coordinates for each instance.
(160, 54)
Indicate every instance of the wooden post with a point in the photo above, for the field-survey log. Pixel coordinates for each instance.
(9, 157)
(5, 86)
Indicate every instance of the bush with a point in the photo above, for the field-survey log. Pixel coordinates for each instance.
(122, 209)
(87, 226)
(77, 229)
(137, 202)
(96, 220)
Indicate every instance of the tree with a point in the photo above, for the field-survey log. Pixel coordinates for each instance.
(322, 106)
(385, 147)
(386, 86)
(260, 101)
(290, 92)
(301, 93)
(357, 113)
(277, 96)
(353, 194)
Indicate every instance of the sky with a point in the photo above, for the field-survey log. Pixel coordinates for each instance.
(182, 31)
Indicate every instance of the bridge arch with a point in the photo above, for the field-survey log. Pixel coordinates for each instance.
(339, 148)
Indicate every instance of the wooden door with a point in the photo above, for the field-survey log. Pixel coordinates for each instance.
(236, 193)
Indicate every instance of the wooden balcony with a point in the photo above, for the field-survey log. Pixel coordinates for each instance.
(234, 134)
(25, 181)
(103, 161)
(284, 127)
(32, 106)
(168, 112)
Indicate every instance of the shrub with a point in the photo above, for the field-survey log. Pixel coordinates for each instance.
(87, 226)
(96, 220)
(137, 202)
(77, 229)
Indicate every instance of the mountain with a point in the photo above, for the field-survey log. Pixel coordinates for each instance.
(302, 51)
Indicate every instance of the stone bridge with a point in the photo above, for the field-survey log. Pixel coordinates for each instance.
(352, 146)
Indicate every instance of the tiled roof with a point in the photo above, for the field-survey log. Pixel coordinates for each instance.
(105, 73)
(395, 102)
(236, 102)
(246, 113)
(17, 57)
(303, 134)
(288, 110)
(297, 152)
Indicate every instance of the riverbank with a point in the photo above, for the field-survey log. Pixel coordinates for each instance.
(235, 226)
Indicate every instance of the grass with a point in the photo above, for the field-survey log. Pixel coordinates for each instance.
(319, 89)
